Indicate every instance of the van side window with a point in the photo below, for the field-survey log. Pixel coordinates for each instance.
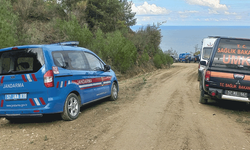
(77, 60)
(94, 63)
(5, 65)
(206, 52)
(58, 59)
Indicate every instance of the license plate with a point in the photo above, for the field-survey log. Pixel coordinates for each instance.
(21, 96)
(236, 93)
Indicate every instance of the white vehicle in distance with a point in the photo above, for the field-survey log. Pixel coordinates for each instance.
(207, 46)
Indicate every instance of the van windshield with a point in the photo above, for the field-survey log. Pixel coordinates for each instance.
(21, 61)
(233, 54)
(206, 52)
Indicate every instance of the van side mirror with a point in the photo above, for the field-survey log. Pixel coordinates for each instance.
(203, 63)
(107, 68)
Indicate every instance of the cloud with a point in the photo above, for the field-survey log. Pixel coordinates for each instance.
(228, 13)
(224, 19)
(183, 16)
(146, 18)
(238, 17)
(214, 4)
(211, 19)
(212, 11)
(147, 9)
(188, 12)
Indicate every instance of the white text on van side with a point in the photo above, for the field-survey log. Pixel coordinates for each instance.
(15, 85)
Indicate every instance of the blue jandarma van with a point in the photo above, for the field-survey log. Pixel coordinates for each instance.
(54, 78)
(185, 57)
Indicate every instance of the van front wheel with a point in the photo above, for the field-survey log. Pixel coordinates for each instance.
(71, 108)
(114, 92)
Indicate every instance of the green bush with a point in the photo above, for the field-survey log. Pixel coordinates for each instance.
(158, 60)
(114, 48)
(99, 45)
(169, 59)
(72, 31)
(164, 59)
(8, 22)
(144, 58)
(147, 38)
(122, 51)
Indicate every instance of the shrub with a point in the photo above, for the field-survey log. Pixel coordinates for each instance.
(72, 31)
(114, 48)
(122, 51)
(164, 59)
(144, 58)
(158, 61)
(169, 59)
(147, 38)
(99, 45)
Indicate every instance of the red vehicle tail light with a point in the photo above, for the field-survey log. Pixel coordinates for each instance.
(207, 75)
(213, 93)
(199, 66)
(49, 79)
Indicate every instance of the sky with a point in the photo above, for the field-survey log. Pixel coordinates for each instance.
(192, 12)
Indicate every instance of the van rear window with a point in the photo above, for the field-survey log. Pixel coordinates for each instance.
(21, 61)
(233, 54)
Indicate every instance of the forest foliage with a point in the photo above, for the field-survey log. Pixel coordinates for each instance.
(101, 26)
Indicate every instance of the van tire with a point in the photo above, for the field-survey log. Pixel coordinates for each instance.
(114, 92)
(202, 99)
(13, 120)
(71, 108)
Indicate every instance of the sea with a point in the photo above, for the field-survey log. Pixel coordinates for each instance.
(189, 38)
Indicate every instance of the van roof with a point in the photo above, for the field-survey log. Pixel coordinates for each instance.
(184, 53)
(71, 44)
(223, 37)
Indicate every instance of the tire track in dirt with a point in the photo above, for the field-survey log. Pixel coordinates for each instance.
(192, 85)
(174, 115)
(175, 122)
(138, 117)
(167, 115)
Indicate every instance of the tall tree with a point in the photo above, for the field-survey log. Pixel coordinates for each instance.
(76, 8)
(69, 5)
(128, 15)
(109, 15)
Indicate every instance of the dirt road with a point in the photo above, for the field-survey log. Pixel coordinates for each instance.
(155, 111)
